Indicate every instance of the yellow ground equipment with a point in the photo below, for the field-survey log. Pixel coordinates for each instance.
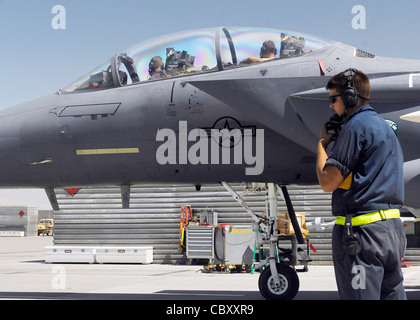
(46, 227)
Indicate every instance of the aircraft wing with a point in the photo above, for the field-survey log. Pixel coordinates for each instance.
(390, 90)
(390, 96)
(300, 116)
(265, 101)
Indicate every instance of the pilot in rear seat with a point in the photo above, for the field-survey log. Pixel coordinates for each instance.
(156, 68)
(268, 52)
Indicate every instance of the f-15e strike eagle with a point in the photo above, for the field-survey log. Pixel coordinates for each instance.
(207, 118)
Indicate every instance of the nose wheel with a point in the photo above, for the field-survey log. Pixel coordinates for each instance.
(285, 288)
(278, 280)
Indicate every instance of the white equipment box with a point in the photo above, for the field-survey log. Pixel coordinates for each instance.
(69, 255)
(12, 233)
(124, 255)
(57, 254)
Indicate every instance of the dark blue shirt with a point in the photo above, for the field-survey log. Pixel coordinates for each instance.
(367, 148)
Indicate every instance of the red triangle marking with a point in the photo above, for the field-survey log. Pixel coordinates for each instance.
(72, 191)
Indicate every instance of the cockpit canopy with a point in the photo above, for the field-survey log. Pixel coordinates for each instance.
(192, 52)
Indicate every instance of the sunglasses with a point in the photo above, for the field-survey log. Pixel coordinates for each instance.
(333, 99)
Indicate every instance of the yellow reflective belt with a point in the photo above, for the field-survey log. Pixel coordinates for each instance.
(370, 217)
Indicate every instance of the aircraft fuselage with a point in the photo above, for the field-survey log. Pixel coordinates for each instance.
(237, 123)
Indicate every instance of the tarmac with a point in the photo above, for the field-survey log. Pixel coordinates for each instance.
(24, 275)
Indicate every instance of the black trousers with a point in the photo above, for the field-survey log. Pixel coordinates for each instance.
(375, 273)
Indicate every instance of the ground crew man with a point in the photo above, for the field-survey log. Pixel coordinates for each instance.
(364, 170)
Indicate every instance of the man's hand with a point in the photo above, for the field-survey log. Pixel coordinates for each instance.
(325, 138)
(329, 177)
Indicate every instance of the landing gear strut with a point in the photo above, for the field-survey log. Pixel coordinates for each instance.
(278, 279)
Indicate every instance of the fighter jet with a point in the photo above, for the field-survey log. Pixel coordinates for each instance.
(203, 106)
(208, 117)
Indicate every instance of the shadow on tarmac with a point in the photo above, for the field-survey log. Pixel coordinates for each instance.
(160, 295)
(413, 293)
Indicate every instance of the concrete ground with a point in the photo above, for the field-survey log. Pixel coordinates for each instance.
(25, 275)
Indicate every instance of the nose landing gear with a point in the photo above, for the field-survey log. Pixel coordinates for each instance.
(278, 279)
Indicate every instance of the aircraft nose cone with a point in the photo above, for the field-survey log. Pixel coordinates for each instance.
(27, 136)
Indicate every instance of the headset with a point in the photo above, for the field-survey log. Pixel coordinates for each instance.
(349, 98)
(350, 95)
(267, 45)
(155, 62)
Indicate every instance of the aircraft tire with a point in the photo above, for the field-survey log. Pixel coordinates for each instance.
(289, 283)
